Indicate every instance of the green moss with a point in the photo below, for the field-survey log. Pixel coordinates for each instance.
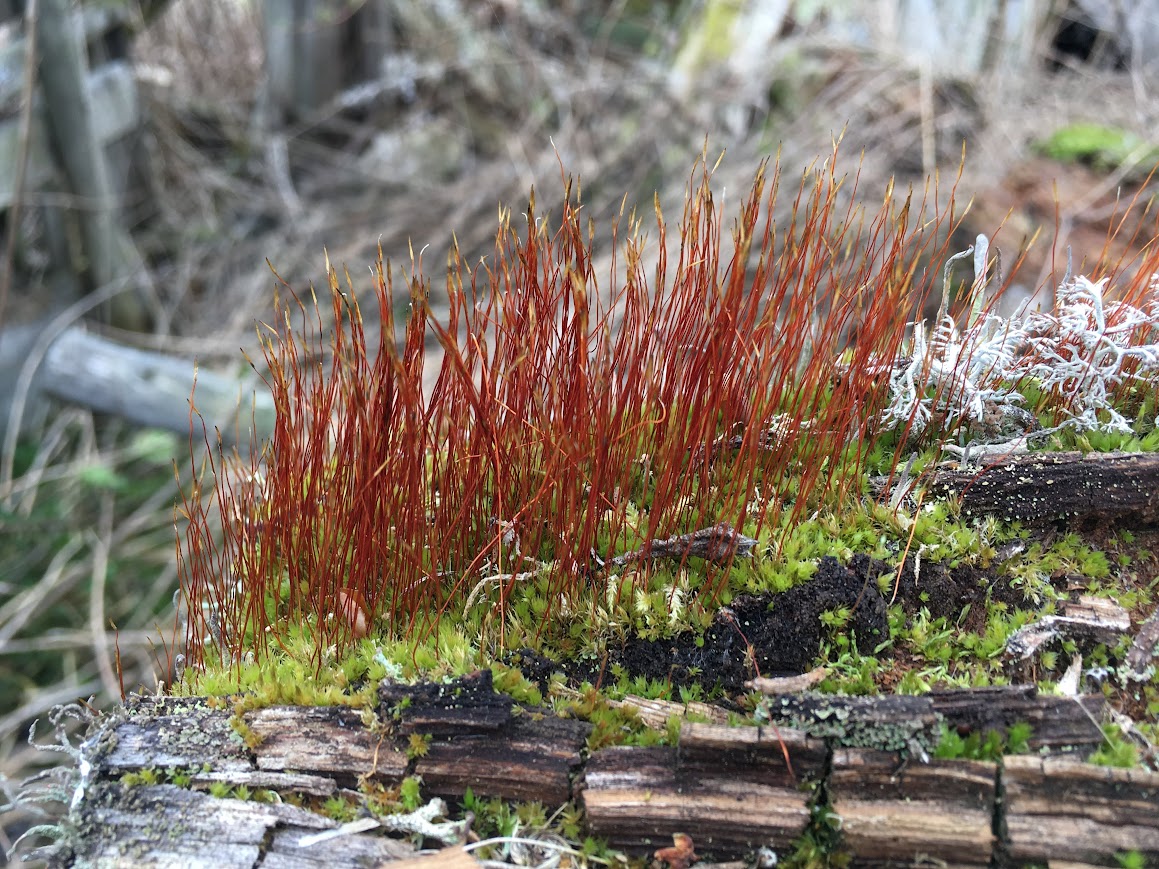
(340, 808)
(1131, 860)
(989, 746)
(141, 777)
(418, 745)
(1116, 750)
(1103, 146)
(178, 776)
(410, 792)
(819, 847)
(494, 818)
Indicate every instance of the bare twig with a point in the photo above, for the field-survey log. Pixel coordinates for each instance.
(100, 572)
(717, 544)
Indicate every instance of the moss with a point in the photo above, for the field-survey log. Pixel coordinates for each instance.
(992, 745)
(1104, 147)
(548, 518)
(1116, 750)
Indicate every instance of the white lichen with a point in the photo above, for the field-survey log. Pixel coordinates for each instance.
(972, 380)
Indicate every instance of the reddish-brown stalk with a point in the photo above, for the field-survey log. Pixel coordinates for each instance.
(567, 420)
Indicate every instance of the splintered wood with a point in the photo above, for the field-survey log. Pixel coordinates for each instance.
(1058, 809)
(891, 807)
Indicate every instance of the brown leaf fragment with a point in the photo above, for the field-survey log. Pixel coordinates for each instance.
(681, 855)
(447, 858)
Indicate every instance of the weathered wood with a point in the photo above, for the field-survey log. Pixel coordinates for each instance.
(889, 723)
(1057, 724)
(893, 809)
(111, 89)
(1057, 809)
(108, 249)
(329, 741)
(163, 733)
(1041, 488)
(144, 387)
(913, 723)
(732, 789)
(1146, 644)
(163, 825)
(480, 739)
(319, 750)
(463, 706)
(533, 760)
(655, 713)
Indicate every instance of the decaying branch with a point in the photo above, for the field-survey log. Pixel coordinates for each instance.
(1072, 487)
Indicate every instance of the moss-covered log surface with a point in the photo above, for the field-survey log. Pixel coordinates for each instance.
(820, 779)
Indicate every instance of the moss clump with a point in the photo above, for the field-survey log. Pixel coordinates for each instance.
(630, 483)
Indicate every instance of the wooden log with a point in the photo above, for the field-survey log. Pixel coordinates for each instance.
(655, 713)
(329, 741)
(889, 723)
(1058, 809)
(163, 825)
(480, 739)
(894, 810)
(733, 789)
(1145, 647)
(108, 250)
(164, 733)
(913, 723)
(532, 759)
(1057, 724)
(144, 387)
(111, 89)
(1043, 488)
(468, 705)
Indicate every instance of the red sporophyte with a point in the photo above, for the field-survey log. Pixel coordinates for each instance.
(567, 419)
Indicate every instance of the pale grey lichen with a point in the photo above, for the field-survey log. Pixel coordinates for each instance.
(971, 380)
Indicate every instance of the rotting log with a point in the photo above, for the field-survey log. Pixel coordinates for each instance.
(732, 789)
(164, 825)
(1073, 487)
(913, 723)
(144, 387)
(1060, 810)
(893, 808)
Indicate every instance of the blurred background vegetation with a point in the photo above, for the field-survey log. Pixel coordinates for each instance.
(154, 154)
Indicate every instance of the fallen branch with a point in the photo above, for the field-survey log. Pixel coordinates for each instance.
(1072, 487)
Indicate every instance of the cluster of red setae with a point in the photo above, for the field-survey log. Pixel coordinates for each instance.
(570, 420)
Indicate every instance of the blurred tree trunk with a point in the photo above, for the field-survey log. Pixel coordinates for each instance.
(109, 253)
(317, 48)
